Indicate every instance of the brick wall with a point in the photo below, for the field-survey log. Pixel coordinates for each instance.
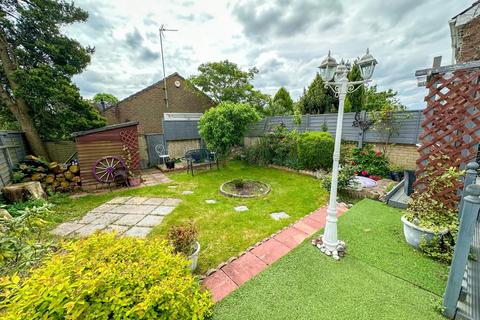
(147, 106)
(403, 155)
(469, 49)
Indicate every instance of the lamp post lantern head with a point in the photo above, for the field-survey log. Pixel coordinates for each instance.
(367, 65)
(341, 72)
(327, 68)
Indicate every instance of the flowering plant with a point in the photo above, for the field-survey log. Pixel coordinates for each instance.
(370, 163)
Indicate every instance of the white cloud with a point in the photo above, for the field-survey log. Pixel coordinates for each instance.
(285, 39)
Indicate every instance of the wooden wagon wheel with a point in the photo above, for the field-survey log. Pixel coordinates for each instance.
(104, 168)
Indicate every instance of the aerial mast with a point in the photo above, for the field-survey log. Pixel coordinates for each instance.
(162, 30)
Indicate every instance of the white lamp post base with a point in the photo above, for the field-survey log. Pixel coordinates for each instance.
(336, 253)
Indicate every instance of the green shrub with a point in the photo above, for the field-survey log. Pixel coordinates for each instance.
(224, 126)
(107, 277)
(22, 243)
(346, 177)
(278, 147)
(315, 150)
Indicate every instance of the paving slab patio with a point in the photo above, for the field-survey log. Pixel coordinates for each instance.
(223, 281)
(130, 216)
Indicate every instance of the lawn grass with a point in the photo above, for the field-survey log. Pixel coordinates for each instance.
(223, 232)
(380, 278)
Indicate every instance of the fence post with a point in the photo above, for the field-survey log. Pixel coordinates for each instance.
(469, 216)
(470, 178)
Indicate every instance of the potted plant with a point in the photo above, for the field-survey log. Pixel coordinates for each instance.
(183, 238)
(170, 163)
(133, 180)
(428, 215)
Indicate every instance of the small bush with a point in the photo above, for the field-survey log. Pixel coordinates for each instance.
(370, 163)
(182, 238)
(345, 178)
(22, 243)
(106, 277)
(315, 150)
(238, 183)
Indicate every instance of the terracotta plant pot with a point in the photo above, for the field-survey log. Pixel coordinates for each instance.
(134, 181)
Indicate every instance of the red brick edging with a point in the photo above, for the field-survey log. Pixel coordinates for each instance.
(238, 270)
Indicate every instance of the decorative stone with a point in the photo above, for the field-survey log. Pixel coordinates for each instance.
(211, 201)
(279, 215)
(241, 208)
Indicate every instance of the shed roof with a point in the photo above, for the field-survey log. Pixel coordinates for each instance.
(106, 128)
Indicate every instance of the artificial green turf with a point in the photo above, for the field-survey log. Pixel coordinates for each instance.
(223, 232)
(380, 278)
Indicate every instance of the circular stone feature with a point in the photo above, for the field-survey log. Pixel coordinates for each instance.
(240, 188)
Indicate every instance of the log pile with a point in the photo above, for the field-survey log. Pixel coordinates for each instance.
(53, 176)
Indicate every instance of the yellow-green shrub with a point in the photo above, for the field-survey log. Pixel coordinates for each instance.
(106, 277)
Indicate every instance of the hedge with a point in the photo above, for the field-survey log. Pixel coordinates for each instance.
(315, 150)
(108, 277)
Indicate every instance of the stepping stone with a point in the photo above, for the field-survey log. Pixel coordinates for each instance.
(136, 200)
(133, 209)
(89, 217)
(89, 229)
(104, 208)
(211, 201)
(150, 221)
(171, 202)
(154, 201)
(139, 232)
(172, 187)
(129, 219)
(107, 218)
(279, 215)
(118, 200)
(116, 228)
(162, 210)
(66, 228)
(241, 208)
(187, 192)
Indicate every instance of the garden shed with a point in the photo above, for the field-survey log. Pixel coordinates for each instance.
(110, 141)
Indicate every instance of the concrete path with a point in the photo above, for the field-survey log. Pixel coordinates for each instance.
(130, 216)
(221, 282)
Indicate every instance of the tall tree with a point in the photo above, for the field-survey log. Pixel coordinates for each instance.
(281, 104)
(317, 99)
(224, 81)
(37, 63)
(356, 99)
(104, 100)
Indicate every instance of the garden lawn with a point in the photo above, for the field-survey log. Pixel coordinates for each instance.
(223, 232)
(380, 278)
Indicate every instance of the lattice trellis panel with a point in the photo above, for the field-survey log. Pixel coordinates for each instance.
(451, 126)
(129, 138)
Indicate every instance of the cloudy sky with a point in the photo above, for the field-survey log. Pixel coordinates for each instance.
(285, 39)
